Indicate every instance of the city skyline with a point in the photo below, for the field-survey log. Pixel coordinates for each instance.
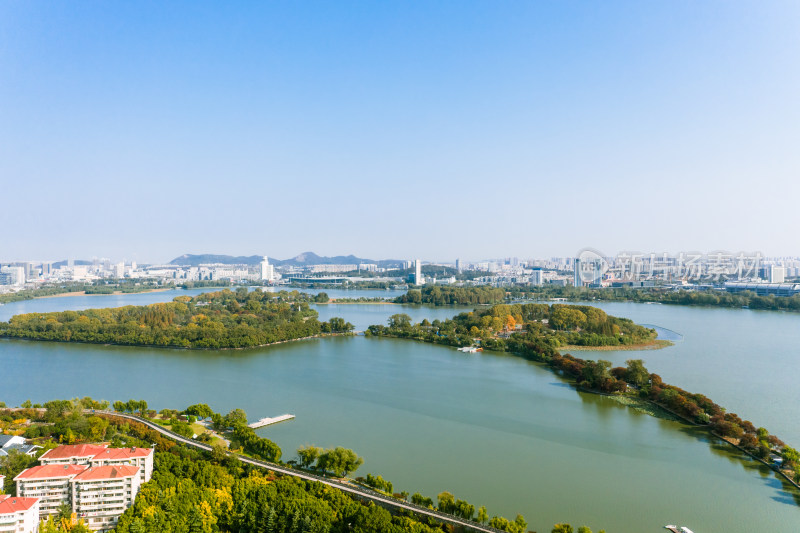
(145, 131)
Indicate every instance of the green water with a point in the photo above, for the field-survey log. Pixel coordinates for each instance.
(491, 428)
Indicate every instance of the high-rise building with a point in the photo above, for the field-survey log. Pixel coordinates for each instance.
(418, 279)
(536, 277)
(576, 280)
(267, 270)
(777, 274)
(458, 265)
(14, 275)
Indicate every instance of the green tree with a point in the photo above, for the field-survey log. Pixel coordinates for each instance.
(199, 410)
(235, 418)
(562, 528)
(483, 516)
(308, 455)
(446, 502)
(399, 321)
(584, 529)
(790, 456)
(636, 373)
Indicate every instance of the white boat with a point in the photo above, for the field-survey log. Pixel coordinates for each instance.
(470, 349)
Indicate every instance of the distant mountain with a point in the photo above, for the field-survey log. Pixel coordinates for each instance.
(304, 259)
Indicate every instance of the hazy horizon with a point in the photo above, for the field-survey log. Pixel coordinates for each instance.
(387, 130)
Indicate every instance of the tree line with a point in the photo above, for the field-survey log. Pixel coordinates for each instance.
(712, 298)
(224, 319)
(556, 325)
(447, 295)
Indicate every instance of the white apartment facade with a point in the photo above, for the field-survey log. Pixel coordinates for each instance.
(73, 454)
(101, 455)
(49, 483)
(19, 515)
(141, 457)
(100, 494)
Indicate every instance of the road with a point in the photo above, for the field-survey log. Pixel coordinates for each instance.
(358, 491)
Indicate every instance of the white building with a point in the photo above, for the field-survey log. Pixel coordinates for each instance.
(15, 442)
(19, 515)
(49, 483)
(332, 269)
(100, 494)
(418, 279)
(267, 270)
(16, 275)
(536, 277)
(140, 457)
(75, 454)
(777, 274)
(100, 455)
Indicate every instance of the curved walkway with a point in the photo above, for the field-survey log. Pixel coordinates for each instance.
(360, 492)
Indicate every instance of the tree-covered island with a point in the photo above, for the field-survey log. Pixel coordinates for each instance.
(223, 319)
(501, 326)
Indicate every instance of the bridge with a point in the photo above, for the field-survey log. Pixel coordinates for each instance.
(357, 491)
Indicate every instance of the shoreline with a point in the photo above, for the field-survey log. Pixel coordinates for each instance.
(83, 293)
(642, 405)
(655, 344)
(188, 348)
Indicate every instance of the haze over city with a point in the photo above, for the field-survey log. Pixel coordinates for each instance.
(475, 130)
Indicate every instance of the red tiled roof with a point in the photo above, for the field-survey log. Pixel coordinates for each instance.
(73, 450)
(116, 454)
(50, 471)
(12, 504)
(107, 472)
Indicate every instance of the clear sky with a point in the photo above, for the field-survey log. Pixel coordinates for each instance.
(145, 130)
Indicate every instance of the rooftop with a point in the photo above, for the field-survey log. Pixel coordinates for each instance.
(50, 471)
(123, 453)
(107, 472)
(73, 450)
(13, 504)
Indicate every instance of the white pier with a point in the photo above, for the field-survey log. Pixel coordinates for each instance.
(269, 421)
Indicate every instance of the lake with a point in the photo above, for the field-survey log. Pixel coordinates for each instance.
(491, 428)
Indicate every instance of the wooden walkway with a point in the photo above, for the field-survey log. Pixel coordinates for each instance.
(269, 421)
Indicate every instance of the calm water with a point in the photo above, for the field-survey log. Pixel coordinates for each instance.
(493, 429)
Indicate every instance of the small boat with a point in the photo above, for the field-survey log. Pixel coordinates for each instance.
(470, 349)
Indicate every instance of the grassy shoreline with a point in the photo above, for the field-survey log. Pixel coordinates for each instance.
(655, 344)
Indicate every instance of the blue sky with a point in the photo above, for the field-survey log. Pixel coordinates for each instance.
(398, 129)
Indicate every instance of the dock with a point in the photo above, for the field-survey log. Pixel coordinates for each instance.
(269, 421)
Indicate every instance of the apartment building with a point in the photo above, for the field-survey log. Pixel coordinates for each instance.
(101, 455)
(74, 454)
(49, 483)
(141, 457)
(100, 494)
(19, 515)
